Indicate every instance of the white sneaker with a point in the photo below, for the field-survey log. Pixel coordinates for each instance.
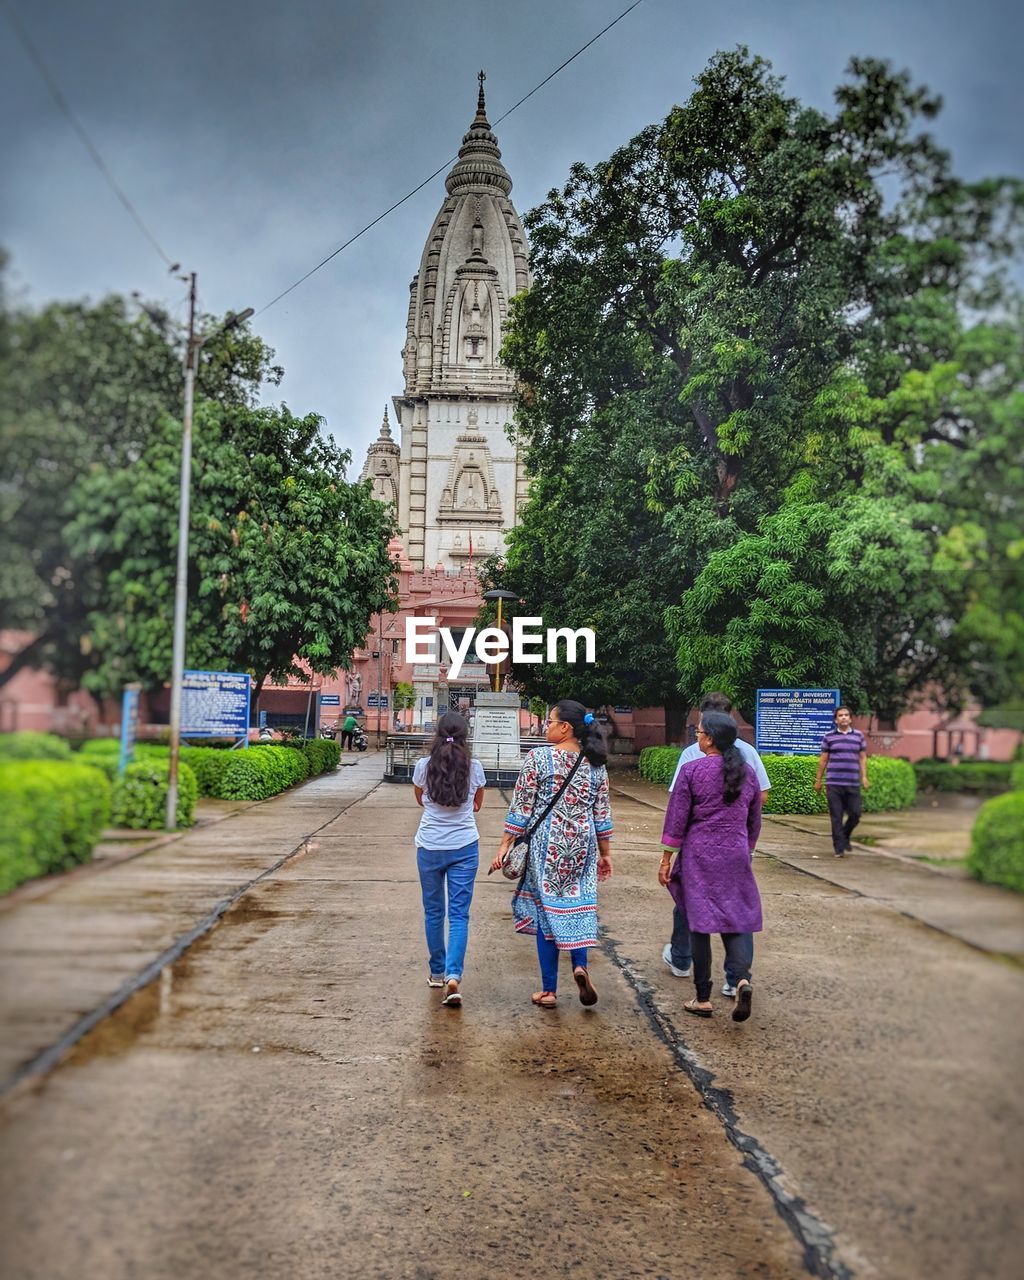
(728, 990)
(666, 955)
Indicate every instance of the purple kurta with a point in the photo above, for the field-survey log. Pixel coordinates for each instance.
(712, 880)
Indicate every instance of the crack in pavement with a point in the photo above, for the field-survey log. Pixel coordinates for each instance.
(815, 1237)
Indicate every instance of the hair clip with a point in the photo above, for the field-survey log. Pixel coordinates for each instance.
(449, 739)
(588, 718)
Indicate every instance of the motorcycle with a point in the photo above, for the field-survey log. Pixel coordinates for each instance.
(359, 738)
(328, 731)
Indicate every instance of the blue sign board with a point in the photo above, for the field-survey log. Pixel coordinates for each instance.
(623, 711)
(377, 700)
(330, 699)
(215, 704)
(794, 721)
(129, 725)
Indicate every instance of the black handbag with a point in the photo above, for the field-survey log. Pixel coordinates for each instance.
(515, 862)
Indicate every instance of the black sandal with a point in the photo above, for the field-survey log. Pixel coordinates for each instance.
(744, 998)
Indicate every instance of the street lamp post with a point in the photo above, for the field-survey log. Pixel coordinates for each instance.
(498, 594)
(195, 344)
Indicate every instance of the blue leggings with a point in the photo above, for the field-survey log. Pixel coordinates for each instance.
(547, 954)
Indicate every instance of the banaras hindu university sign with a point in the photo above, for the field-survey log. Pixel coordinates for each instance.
(794, 721)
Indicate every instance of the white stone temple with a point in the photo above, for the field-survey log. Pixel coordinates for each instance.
(454, 477)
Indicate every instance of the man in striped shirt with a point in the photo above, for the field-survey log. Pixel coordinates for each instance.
(844, 754)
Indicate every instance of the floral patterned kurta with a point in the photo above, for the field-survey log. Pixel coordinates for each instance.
(559, 894)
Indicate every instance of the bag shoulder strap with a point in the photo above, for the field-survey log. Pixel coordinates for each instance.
(528, 836)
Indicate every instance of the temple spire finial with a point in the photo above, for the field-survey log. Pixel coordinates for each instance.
(481, 106)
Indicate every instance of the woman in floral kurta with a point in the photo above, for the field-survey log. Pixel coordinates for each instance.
(569, 853)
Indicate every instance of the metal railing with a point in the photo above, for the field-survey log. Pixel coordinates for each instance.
(501, 760)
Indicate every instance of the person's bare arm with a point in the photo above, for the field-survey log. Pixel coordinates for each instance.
(864, 770)
(478, 800)
(822, 762)
(418, 792)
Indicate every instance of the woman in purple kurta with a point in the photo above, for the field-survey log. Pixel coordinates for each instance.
(713, 821)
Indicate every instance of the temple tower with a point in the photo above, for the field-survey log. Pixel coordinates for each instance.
(460, 482)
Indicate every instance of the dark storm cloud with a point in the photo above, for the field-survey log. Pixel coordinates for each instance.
(256, 137)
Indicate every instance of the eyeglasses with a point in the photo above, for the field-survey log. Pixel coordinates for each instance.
(550, 721)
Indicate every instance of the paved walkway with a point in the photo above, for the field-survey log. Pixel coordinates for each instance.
(72, 947)
(287, 1098)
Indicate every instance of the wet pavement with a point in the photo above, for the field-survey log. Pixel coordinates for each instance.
(288, 1098)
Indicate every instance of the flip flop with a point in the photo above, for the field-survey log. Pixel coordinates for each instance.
(545, 1000)
(691, 1006)
(744, 997)
(588, 995)
(453, 997)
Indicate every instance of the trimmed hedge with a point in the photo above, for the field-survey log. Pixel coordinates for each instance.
(262, 771)
(980, 777)
(997, 842)
(209, 765)
(27, 744)
(1017, 777)
(893, 785)
(54, 811)
(140, 796)
(323, 755)
(658, 764)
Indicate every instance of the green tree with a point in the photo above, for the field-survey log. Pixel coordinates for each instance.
(288, 560)
(84, 384)
(766, 304)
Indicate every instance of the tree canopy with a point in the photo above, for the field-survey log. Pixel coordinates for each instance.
(771, 372)
(288, 559)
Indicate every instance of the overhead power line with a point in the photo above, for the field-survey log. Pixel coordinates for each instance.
(441, 168)
(79, 128)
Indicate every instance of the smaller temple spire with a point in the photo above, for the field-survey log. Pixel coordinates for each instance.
(385, 426)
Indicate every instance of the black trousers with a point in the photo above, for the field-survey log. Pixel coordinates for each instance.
(346, 739)
(739, 956)
(844, 808)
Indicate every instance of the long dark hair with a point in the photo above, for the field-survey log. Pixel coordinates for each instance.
(448, 767)
(721, 729)
(589, 736)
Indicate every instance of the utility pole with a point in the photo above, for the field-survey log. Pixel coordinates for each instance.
(195, 344)
(181, 578)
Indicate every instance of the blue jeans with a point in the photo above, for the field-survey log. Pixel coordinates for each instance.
(547, 954)
(458, 867)
(682, 949)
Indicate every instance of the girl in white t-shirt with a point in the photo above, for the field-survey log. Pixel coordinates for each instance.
(449, 784)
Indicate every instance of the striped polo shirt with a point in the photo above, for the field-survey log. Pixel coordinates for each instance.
(844, 750)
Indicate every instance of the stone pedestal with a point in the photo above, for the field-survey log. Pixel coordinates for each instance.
(495, 737)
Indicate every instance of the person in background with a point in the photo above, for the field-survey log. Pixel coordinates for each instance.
(449, 785)
(677, 953)
(844, 765)
(569, 853)
(347, 730)
(711, 827)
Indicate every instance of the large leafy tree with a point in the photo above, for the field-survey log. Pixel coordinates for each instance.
(288, 559)
(794, 323)
(86, 384)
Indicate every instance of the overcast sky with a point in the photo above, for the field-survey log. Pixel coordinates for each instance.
(254, 137)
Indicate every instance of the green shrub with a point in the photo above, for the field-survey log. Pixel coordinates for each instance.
(980, 777)
(54, 812)
(658, 764)
(893, 785)
(323, 754)
(997, 842)
(249, 776)
(140, 796)
(209, 765)
(29, 745)
(1017, 777)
